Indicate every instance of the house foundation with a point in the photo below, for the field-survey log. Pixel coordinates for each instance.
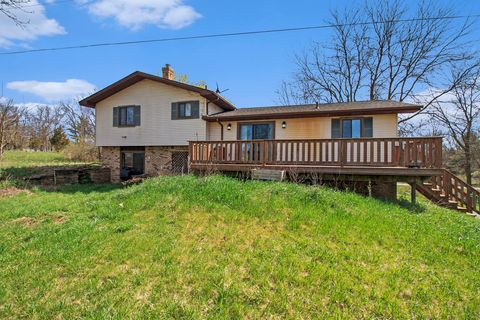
(166, 160)
(157, 160)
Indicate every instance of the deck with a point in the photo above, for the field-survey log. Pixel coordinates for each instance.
(392, 159)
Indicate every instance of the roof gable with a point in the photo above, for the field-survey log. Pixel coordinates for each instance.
(138, 76)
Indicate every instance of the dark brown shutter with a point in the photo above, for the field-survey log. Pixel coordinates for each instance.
(115, 116)
(336, 133)
(137, 115)
(368, 127)
(174, 111)
(195, 109)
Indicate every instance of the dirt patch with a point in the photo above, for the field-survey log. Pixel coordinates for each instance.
(59, 220)
(32, 222)
(12, 191)
(27, 221)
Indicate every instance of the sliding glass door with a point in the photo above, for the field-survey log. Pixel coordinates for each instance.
(254, 131)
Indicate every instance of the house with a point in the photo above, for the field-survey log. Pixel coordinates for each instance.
(154, 125)
(143, 122)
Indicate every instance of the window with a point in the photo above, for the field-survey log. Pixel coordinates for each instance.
(126, 116)
(352, 128)
(185, 110)
(256, 131)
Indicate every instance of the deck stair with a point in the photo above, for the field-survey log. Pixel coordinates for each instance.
(450, 191)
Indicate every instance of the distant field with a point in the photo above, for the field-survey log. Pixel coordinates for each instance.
(190, 248)
(31, 159)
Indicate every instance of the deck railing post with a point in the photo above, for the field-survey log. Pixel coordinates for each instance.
(190, 152)
(262, 152)
(342, 152)
(438, 153)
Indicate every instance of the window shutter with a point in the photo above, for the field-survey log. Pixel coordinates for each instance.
(336, 129)
(174, 111)
(115, 116)
(195, 109)
(368, 127)
(137, 115)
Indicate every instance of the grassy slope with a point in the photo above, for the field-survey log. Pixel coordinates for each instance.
(186, 247)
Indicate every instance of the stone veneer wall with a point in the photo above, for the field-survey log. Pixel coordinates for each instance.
(110, 157)
(158, 160)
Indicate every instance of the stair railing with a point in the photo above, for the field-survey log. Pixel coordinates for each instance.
(454, 188)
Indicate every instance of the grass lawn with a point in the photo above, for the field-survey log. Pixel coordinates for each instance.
(188, 247)
(31, 159)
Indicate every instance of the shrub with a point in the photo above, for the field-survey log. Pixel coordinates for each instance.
(83, 152)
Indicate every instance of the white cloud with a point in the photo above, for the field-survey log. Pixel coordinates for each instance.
(133, 14)
(27, 105)
(37, 24)
(54, 91)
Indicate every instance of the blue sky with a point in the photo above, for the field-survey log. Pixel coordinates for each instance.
(252, 67)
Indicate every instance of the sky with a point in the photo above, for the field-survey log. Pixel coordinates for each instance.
(250, 67)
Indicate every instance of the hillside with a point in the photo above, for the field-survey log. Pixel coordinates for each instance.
(188, 247)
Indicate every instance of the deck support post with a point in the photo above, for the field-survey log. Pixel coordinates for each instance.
(413, 193)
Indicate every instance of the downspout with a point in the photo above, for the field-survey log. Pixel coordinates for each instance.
(221, 131)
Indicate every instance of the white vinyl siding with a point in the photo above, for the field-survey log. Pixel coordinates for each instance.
(157, 128)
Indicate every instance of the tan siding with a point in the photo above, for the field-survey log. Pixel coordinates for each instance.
(385, 126)
(157, 128)
(309, 128)
(213, 128)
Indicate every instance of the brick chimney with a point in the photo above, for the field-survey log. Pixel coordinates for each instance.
(167, 72)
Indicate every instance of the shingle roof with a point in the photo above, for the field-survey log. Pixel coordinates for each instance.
(137, 76)
(314, 110)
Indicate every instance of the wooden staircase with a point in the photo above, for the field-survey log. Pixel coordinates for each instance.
(450, 191)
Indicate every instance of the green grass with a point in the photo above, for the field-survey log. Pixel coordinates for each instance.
(188, 247)
(32, 159)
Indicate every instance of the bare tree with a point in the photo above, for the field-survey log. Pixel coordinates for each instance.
(459, 113)
(79, 121)
(10, 8)
(9, 124)
(379, 52)
(41, 123)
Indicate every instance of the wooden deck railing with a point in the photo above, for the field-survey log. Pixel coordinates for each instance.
(376, 152)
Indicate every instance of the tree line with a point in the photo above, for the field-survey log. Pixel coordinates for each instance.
(46, 127)
(391, 50)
